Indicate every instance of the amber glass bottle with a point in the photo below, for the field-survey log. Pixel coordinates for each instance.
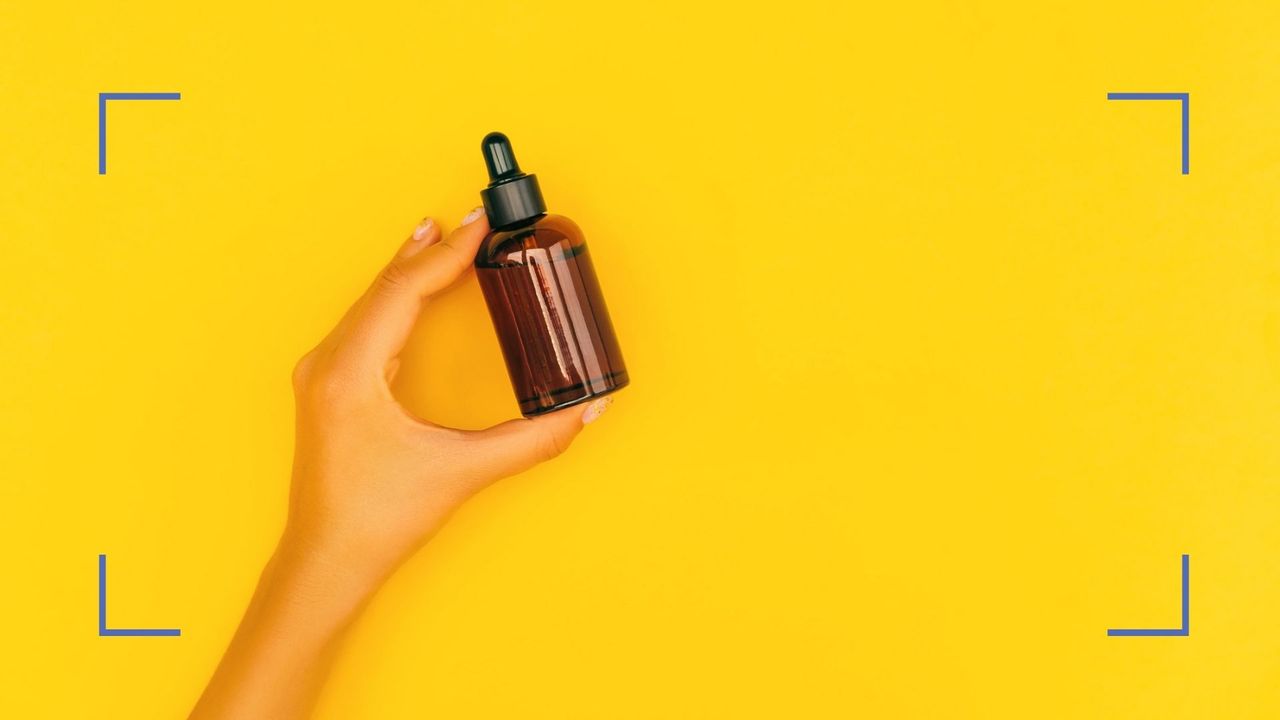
(542, 294)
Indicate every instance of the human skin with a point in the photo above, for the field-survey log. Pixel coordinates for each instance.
(371, 484)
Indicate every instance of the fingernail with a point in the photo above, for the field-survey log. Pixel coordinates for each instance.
(596, 409)
(417, 241)
(423, 228)
(473, 216)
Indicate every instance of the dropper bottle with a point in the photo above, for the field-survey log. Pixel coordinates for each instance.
(542, 293)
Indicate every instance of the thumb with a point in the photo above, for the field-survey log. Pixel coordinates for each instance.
(517, 445)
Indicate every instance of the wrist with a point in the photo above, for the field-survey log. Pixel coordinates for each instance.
(315, 578)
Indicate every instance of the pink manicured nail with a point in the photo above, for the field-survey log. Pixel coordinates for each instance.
(473, 216)
(423, 228)
(596, 409)
(418, 239)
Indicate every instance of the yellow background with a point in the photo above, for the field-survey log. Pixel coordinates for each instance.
(938, 361)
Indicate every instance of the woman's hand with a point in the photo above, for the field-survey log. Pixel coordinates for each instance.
(371, 483)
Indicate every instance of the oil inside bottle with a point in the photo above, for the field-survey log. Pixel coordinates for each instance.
(552, 324)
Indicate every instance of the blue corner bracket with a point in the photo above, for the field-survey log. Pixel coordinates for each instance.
(102, 117)
(1185, 98)
(1183, 631)
(105, 631)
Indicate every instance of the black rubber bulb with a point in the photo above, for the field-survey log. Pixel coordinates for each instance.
(499, 158)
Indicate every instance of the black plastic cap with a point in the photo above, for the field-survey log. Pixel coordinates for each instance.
(512, 196)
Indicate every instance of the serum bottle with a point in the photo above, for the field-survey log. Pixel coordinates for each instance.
(542, 294)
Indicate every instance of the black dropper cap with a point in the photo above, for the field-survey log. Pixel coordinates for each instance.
(512, 196)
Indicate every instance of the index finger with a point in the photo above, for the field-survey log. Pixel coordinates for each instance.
(381, 322)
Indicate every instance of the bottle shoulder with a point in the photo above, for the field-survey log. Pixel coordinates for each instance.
(550, 235)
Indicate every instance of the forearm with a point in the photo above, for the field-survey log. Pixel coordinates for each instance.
(282, 651)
